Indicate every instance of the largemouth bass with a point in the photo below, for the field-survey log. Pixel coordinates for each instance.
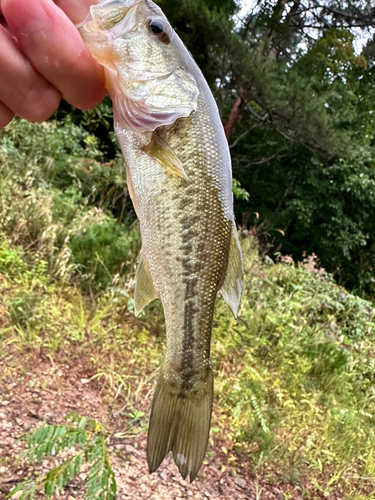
(179, 178)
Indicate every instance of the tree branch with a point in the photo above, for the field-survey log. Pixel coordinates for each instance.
(244, 134)
(233, 117)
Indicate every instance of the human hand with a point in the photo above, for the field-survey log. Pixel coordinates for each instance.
(43, 58)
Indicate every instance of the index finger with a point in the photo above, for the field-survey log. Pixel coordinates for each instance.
(76, 10)
(56, 50)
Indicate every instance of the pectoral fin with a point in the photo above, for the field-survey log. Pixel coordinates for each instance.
(232, 286)
(145, 291)
(160, 149)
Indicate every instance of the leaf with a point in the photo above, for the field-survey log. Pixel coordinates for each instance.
(50, 487)
(78, 464)
(82, 423)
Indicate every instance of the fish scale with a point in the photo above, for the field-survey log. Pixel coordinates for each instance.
(179, 177)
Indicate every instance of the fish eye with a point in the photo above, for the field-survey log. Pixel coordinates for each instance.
(160, 29)
(156, 26)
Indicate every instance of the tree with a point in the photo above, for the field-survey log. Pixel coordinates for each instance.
(298, 117)
(296, 100)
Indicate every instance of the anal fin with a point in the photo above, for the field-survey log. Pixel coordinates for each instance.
(144, 292)
(231, 290)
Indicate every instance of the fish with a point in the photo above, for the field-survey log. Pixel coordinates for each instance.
(179, 177)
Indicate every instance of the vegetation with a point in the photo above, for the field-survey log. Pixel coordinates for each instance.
(88, 435)
(294, 373)
(295, 85)
(57, 200)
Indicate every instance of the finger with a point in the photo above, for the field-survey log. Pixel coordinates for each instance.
(22, 89)
(76, 10)
(56, 50)
(2, 18)
(5, 115)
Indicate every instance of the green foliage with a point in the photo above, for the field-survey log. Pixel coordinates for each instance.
(239, 192)
(97, 123)
(101, 249)
(59, 202)
(11, 261)
(294, 375)
(310, 183)
(306, 119)
(87, 440)
(330, 212)
(313, 193)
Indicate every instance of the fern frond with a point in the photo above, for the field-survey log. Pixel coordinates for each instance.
(89, 438)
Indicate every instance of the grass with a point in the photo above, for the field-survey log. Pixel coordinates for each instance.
(294, 393)
(294, 375)
(57, 200)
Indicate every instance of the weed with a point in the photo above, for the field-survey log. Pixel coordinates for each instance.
(294, 374)
(88, 441)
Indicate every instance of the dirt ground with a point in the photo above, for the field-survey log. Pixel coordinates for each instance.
(46, 392)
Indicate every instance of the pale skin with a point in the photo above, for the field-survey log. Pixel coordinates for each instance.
(44, 59)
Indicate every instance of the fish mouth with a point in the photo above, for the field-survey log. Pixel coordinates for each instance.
(104, 22)
(106, 14)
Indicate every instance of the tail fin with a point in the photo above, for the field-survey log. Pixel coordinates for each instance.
(180, 422)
